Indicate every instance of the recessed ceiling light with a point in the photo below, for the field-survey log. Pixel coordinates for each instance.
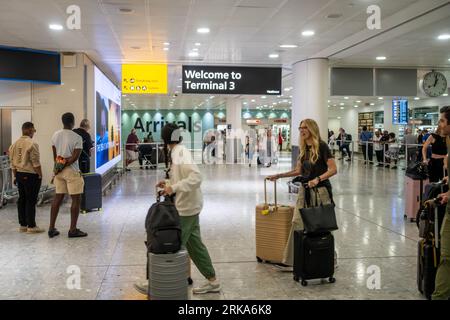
(342, 108)
(253, 100)
(445, 36)
(288, 46)
(166, 49)
(274, 55)
(263, 97)
(445, 95)
(372, 104)
(381, 58)
(355, 106)
(193, 54)
(56, 27)
(203, 30)
(167, 43)
(346, 98)
(329, 101)
(358, 101)
(72, 90)
(339, 118)
(380, 98)
(416, 98)
(198, 44)
(342, 104)
(212, 97)
(308, 33)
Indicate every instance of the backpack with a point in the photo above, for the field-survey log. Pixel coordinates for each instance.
(163, 227)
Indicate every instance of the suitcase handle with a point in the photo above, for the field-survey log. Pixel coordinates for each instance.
(265, 193)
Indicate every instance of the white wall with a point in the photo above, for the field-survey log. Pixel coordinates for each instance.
(334, 125)
(18, 117)
(15, 94)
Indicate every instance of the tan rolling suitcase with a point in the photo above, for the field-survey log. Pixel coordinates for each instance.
(272, 227)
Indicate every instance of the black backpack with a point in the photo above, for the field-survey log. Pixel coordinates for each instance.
(163, 227)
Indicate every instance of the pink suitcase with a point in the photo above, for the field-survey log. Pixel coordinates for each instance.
(413, 192)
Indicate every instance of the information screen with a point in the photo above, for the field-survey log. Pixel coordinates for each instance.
(30, 65)
(231, 80)
(400, 112)
(107, 123)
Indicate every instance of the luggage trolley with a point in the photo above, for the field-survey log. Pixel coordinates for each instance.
(9, 191)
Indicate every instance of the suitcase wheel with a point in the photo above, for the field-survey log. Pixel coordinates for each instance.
(259, 259)
(296, 279)
(412, 220)
(331, 280)
(304, 283)
(83, 212)
(190, 281)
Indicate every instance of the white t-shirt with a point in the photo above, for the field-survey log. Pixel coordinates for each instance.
(66, 141)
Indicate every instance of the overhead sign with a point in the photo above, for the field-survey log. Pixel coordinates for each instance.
(399, 111)
(231, 80)
(144, 79)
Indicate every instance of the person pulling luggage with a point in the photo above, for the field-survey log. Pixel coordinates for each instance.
(184, 184)
(316, 163)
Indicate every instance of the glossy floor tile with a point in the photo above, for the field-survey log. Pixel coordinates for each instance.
(373, 235)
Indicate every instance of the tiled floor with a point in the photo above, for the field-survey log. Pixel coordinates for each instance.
(369, 201)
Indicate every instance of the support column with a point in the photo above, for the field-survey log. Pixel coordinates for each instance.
(309, 98)
(234, 113)
(233, 143)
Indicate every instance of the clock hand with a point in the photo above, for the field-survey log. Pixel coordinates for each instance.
(435, 82)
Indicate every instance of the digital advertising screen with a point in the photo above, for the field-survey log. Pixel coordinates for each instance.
(400, 112)
(107, 123)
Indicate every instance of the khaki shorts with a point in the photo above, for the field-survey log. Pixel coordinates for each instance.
(132, 155)
(69, 182)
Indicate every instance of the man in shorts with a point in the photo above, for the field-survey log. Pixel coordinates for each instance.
(67, 145)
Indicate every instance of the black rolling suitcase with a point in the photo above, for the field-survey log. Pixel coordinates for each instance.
(313, 257)
(427, 263)
(91, 198)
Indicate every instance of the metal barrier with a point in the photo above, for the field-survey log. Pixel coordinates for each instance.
(159, 151)
(10, 192)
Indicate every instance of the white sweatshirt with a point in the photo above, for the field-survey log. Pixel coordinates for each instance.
(185, 180)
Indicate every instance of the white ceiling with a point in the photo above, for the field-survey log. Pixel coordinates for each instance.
(243, 32)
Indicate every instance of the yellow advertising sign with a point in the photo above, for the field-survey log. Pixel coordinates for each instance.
(144, 78)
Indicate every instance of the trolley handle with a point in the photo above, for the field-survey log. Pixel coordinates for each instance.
(265, 193)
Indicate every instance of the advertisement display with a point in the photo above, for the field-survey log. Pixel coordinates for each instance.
(107, 123)
(231, 80)
(400, 112)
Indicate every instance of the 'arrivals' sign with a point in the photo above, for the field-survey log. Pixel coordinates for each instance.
(231, 80)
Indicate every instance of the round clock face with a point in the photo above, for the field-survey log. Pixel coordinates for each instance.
(434, 84)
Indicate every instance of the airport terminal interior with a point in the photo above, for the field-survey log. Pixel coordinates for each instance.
(237, 77)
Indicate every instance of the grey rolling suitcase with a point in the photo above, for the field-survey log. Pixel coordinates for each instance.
(167, 276)
(91, 199)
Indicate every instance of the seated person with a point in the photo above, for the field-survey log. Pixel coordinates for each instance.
(145, 152)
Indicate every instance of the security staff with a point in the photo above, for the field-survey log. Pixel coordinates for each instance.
(26, 167)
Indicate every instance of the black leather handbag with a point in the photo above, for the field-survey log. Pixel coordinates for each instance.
(319, 219)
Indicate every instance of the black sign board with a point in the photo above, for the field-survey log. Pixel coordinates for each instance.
(29, 65)
(231, 80)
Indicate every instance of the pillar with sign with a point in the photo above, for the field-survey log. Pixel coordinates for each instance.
(310, 96)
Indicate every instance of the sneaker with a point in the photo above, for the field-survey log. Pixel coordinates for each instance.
(349, 159)
(142, 287)
(23, 229)
(53, 233)
(35, 230)
(77, 234)
(207, 287)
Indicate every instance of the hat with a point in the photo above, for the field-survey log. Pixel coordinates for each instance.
(171, 133)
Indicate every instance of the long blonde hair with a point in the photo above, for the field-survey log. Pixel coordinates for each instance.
(315, 137)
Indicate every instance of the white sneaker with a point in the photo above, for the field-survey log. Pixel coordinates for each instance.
(142, 287)
(207, 287)
(35, 230)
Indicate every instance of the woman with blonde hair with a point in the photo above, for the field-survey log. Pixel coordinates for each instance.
(316, 165)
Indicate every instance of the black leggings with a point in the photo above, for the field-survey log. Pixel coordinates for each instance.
(436, 169)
